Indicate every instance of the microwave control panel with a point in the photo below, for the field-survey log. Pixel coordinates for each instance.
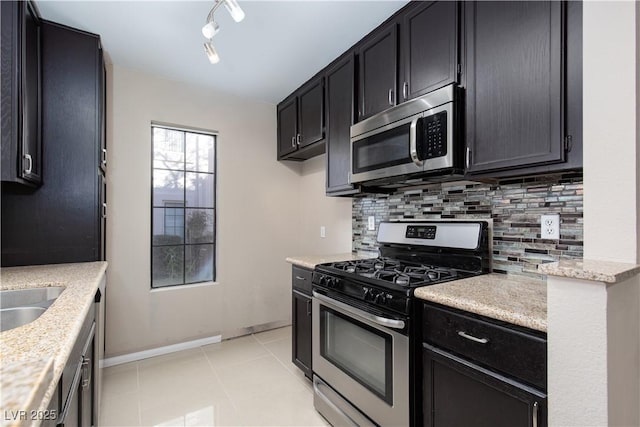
(434, 135)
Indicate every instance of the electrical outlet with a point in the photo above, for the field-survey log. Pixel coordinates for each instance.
(371, 223)
(323, 231)
(550, 226)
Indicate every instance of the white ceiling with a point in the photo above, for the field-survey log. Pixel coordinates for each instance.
(277, 47)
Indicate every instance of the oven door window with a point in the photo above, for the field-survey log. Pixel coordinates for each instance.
(382, 150)
(359, 350)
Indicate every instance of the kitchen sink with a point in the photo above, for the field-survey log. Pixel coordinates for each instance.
(41, 297)
(13, 317)
(21, 306)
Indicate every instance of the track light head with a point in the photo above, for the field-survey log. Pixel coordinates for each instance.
(211, 52)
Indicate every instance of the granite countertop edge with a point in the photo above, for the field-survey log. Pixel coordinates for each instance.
(40, 349)
(609, 272)
(310, 261)
(495, 296)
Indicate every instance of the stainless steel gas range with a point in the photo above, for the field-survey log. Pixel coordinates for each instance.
(362, 313)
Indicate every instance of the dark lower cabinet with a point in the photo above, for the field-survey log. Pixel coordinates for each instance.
(459, 393)
(22, 161)
(339, 80)
(515, 103)
(301, 319)
(301, 313)
(479, 372)
(61, 221)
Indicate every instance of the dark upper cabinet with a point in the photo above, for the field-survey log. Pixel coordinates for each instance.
(339, 80)
(301, 122)
(429, 48)
(64, 214)
(287, 126)
(514, 84)
(378, 71)
(21, 92)
(311, 113)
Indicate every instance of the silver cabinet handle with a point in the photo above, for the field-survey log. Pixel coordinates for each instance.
(29, 160)
(467, 158)
(104, 210)
(309, 308)
(472, 338)
(300, 278)
(298, 138)
(382, 321)
(85, 372)
(390, 96)
(534, 417)
(104, 156)
(293, 141)
(405, 90)
(413, 149)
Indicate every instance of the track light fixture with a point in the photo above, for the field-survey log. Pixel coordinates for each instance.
(211, 27)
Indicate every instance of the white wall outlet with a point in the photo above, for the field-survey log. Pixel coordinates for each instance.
(371, 223)
(323, 231)
(550, 226)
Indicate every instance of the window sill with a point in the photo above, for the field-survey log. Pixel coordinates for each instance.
(180, 287)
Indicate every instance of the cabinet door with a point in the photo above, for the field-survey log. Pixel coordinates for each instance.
(31, 147)
(301, 333)
(340, 102)
(287, 127)
(378, 64)
(514, 84)
(459, 393)
(311, 113)
(429, 41)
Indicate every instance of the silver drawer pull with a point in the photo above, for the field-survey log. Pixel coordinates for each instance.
(534, 421)
(472, 338)
(29, 160)
(300, 278)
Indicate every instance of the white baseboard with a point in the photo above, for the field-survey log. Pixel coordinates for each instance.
(159, 351)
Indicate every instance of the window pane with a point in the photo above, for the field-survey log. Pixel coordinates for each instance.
(168, 149)
(200, 153)
(199, 225)
(168, 265)
(168, 187)
(199, 263)
(200, 190)
(168, 226)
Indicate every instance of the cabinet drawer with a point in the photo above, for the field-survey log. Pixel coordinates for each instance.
(301, 279)
(510, 351)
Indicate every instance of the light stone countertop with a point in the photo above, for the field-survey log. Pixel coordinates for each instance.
(310, 261)
(514, 299)
(593, 270)
(33, 356)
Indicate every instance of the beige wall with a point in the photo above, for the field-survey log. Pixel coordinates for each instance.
(261, 203)
(594, 331)
(610, 149)
(318, 210)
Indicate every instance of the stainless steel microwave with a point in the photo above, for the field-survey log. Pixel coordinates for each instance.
(416, 138)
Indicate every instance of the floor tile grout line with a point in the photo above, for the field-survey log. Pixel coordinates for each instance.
(224, 388)
(300, 380)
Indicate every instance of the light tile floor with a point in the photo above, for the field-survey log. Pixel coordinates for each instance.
(247, 381)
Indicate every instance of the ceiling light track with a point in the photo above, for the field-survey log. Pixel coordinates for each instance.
(211, 27)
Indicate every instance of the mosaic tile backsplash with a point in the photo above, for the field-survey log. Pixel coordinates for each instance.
(515, 207)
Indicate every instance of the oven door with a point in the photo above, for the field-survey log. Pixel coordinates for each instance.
(386, 151)
(364, 358)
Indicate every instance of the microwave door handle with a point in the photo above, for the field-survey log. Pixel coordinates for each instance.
(413, 149)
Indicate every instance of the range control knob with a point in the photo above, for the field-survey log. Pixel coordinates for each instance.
(367, 294)
(380, 298)
(323, 280)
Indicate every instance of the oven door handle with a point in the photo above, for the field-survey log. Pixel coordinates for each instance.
(382, 321)
(413, 141)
